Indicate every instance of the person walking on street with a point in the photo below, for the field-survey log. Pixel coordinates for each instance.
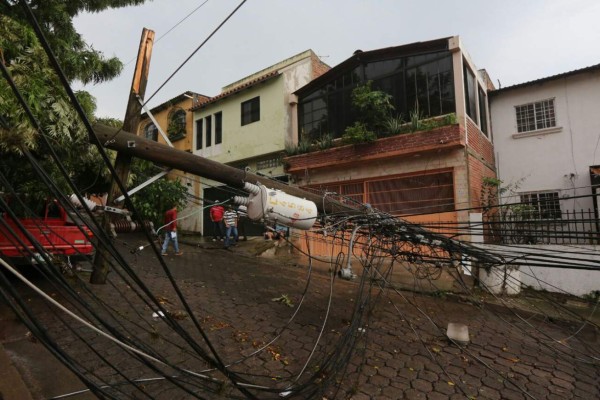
(231, 219)
(216, 216)
(171, 231)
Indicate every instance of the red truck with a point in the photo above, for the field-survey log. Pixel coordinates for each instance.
(52, 229)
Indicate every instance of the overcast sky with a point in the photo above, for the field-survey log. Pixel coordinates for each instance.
(514, 40)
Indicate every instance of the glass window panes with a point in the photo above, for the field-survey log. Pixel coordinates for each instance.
(199, 133)
(218, 128)
(151, 132)
(177, 124)
(425, 79)
(483, 112)
(208, 131)
(470, 93)
(251, 111)
(534, 116)
(541, 205)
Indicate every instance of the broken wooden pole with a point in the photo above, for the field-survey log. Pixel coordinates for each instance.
(137, 146)
(123, 161)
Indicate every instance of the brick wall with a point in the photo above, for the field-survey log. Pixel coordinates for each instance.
(481, 161)
(446, 137)
(318, 66)
(480, 144)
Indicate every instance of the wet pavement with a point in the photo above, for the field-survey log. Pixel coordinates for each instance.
(278, 324)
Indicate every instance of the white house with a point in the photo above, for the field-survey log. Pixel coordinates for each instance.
(252, 121)
(546, 138)
(547, 143)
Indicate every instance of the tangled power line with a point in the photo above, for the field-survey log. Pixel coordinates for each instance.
(127, 353)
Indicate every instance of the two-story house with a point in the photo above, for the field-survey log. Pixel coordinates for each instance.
(547, 139)
(249, 124)
(432, 175)
(176, 121)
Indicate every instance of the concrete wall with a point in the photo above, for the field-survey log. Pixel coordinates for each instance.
(555, 279)
(557, 158)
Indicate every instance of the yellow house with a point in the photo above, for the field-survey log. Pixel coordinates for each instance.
(175, 120)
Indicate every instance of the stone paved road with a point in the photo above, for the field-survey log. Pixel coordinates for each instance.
(400, 348)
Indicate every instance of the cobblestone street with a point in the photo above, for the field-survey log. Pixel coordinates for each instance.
(245, 303)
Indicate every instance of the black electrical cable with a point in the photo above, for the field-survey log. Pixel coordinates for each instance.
(195, 51)
(94, 139)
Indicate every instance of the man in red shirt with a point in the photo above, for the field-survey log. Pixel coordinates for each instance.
(171, 231)
(216, 216)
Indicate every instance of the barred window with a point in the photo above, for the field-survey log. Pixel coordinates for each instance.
(535, 116)
(541, 205)
(422, 193)
(270, 163)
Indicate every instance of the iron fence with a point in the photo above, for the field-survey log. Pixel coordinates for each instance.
(568, 227)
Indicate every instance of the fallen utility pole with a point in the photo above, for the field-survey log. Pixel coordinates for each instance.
(137, 146)
(123, 161)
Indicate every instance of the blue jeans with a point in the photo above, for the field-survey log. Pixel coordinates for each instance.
(168, 238)
(228, 232)
(218, 229)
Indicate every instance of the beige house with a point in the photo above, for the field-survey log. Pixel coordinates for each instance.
(252, 121)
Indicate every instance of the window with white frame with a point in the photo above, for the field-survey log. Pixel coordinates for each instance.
(535, 116)
(541, 205)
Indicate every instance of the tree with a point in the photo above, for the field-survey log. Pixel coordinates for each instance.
(27, 64)
(152, 201)
(78, 59)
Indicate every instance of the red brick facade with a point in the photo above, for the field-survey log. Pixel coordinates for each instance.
(479, 144)
(481, 161)
(318, 66)
(446, 137)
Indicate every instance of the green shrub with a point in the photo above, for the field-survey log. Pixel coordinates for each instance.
(373, 107)
(325, 141)
(358, 133)
(416, 123)
(302, 147)
(450, 119)
(394, 125)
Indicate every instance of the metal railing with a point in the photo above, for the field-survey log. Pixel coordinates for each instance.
(527, 227)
